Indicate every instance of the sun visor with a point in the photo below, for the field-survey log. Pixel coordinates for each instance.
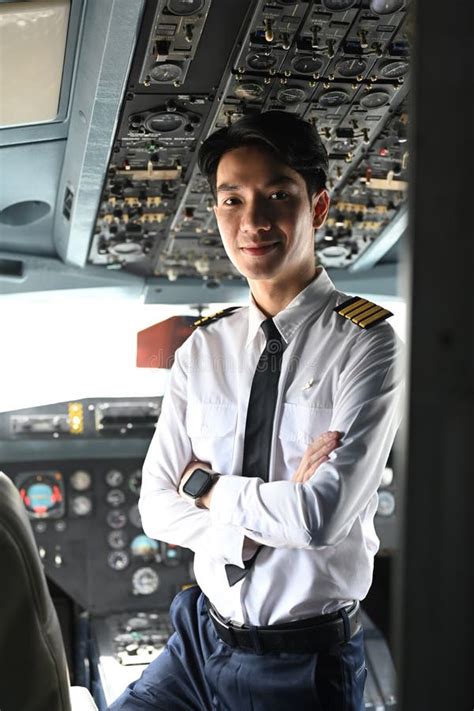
(157, 344)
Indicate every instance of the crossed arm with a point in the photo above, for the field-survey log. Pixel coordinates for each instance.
(325, 496)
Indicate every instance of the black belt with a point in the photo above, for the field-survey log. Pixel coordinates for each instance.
(315, 634)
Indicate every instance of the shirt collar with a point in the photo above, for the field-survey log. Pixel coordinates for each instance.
(310, 301)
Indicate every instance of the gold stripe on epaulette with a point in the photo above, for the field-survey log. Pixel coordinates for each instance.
(362, 312)
(352, 305)
(205, 319)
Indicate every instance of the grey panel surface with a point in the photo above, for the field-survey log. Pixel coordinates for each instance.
(109, 37)
(17, 166)
(45, 274)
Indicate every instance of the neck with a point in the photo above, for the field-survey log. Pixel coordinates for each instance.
(272, 296)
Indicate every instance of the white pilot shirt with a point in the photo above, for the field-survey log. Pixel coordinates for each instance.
(319, 536)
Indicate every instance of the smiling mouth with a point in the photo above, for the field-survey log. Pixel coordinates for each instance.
(258, 251)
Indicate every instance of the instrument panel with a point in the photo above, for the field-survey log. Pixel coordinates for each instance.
(341, 65)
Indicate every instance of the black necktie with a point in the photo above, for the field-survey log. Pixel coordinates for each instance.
(259, 423)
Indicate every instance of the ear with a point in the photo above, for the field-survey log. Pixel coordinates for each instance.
(320, 208)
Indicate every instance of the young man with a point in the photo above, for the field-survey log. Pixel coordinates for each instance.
(270, 447)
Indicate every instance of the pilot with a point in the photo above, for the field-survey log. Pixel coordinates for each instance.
(274, 432)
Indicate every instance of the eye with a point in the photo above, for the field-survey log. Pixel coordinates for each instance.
(279, 195)
(230, 201)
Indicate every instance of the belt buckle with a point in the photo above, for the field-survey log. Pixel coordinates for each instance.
(222, 623)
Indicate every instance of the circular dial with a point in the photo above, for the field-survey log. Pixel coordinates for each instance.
(118, 560)
(394, 69)
(249, 90)
(338, 5)
(291, 95)
(333, 98)
(116, 519)
(386, 505)
(375, 100)
(145, 581)
(386, 7)
(165, 122)
(261, 61)
(307, 65)
(165, 73)
(43, 495)
(80, 480)
(81, 505)
(185, 7)
(117, 539)
(115, 497)
(351, 67)
(387, 477)
(135, 482)
(114, 477)
(144, 547)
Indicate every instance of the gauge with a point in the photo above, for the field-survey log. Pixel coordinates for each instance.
(135, 481)
(291, 95)
(117, 539)
(144, 547)
(394, 69)
(145, 581)
(80, 480)
(307, 65)
(333, 98)
(115, 497)
(338, 5)
(116, 519)
(386, 505)
(134, 516)
(334, 252)
(81, 505)
(375, 100)
(386, 7)
(165, 73)
(261, 61)
(42, 494)
(118, 560)
(165, 122)
(185, 7)
(137, 623)
(351, 67)
(114, 477)
(387, 477)
(249, 90)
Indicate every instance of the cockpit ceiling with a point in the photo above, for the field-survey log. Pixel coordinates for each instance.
(111, 185)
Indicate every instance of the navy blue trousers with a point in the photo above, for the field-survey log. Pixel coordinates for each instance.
(199, 672)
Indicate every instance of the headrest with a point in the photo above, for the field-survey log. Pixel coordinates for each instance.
(33, 667)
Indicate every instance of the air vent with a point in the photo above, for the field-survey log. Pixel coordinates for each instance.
(11, 268)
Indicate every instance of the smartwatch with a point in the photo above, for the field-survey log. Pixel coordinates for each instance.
(199, 483)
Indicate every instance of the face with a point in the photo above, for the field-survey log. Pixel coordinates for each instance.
(265, 217)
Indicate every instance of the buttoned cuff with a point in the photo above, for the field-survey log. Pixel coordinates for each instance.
(224, 544)
(226, 496)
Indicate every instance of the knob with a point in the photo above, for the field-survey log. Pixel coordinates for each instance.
(267, 23)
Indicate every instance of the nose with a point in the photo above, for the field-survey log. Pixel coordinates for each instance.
(255, 217)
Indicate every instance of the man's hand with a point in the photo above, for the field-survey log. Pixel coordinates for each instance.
(317, 453)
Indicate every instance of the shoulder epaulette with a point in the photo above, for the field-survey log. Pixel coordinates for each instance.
(206, 320)
(362, 312)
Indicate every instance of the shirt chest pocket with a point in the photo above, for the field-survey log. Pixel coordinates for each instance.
(211, 429)
(301, 424)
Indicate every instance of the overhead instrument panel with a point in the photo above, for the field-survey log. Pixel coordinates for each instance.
(340, 64)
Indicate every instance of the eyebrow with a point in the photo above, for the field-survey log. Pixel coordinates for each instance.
(277, 180)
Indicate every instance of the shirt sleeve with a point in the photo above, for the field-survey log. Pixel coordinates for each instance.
(165, 515)
(322, 511)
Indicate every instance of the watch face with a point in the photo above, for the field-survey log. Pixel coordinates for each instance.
(197, 484)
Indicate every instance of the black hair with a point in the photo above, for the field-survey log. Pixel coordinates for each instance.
(292, 140)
